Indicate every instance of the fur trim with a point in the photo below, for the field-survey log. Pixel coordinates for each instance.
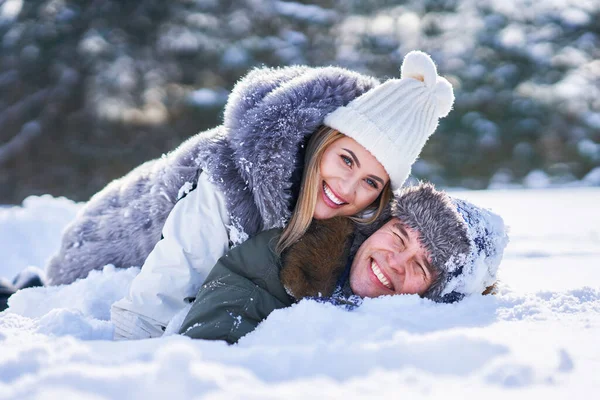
(264, 139)
(312, 266)
(250, 158)
(430, 212)
(122, 223)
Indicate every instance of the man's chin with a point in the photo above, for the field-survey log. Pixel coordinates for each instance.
(354, 289)
(360, 291)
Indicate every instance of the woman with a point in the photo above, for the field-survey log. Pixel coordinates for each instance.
(248, 179)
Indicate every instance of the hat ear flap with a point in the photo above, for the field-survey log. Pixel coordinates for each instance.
(444, 97)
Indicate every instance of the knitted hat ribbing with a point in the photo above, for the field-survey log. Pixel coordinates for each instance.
(394, 120)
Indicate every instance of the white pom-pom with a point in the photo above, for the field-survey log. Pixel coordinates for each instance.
(444, 96)
(419, 65)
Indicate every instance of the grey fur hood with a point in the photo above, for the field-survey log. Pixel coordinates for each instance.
(251, 158)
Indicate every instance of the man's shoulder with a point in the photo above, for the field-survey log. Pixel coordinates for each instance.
(259, 251)
(255, 261)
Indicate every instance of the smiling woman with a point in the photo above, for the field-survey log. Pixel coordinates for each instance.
(341, 178)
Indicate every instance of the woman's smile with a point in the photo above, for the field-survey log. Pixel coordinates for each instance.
(331, 199)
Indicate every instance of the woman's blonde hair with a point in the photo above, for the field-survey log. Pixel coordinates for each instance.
(307, 199)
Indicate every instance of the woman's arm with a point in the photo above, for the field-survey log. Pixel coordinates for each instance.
(195, 236)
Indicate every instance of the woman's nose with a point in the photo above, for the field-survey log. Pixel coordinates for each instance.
(348, 189)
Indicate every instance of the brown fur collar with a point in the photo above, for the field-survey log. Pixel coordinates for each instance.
(312, 266)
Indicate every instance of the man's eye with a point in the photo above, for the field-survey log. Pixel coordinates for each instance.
(347, 160)
(423, 272)
(400, 240)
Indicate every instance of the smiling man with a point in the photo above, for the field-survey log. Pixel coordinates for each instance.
(427, 244)
(392, 261)
(432, 245)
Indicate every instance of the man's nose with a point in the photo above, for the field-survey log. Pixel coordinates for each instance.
(397, 262)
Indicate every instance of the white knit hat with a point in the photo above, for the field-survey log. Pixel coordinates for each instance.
(394, 120)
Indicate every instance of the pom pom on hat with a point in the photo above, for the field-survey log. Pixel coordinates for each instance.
(420, 66)
(445, 97)
(394, 120)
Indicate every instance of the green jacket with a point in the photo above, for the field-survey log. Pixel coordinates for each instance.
(251, 281)
(242, 289)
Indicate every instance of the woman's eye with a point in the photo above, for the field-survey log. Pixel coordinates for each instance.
(347, 160)
(371, 183)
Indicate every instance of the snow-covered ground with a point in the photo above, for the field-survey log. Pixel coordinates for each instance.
(538, 338)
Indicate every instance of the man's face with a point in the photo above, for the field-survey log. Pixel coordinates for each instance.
(391, 261)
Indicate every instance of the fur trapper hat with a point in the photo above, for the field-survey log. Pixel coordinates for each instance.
(465, 242)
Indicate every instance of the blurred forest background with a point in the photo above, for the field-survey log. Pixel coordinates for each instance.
(91, 89)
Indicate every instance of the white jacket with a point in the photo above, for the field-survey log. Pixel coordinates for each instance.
(195, 236)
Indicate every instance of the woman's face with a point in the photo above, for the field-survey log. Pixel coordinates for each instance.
(350, 179)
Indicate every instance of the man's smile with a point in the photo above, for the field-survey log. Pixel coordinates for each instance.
(380, 275)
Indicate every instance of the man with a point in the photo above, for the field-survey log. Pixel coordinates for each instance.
(427, 244)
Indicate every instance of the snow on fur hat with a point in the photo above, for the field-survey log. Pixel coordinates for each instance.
(465, 242)
(394, 120)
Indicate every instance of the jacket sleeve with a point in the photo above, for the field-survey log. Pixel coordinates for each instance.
(241, 291)
(194, 237)
(227, 314)
(251, 89)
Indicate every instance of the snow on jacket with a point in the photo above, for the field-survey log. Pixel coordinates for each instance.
(246, 166)
(252, 281)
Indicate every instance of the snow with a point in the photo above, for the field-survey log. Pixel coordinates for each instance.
(513, 36)
(488, 239)
(185, 189)
(536, 179)
(537, 338)
(10, 9)
(304, 12)
(207, 97)
(43, 216)
(593, 177)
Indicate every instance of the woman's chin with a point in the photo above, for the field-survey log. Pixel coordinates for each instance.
(321, 216)
(323, 212)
